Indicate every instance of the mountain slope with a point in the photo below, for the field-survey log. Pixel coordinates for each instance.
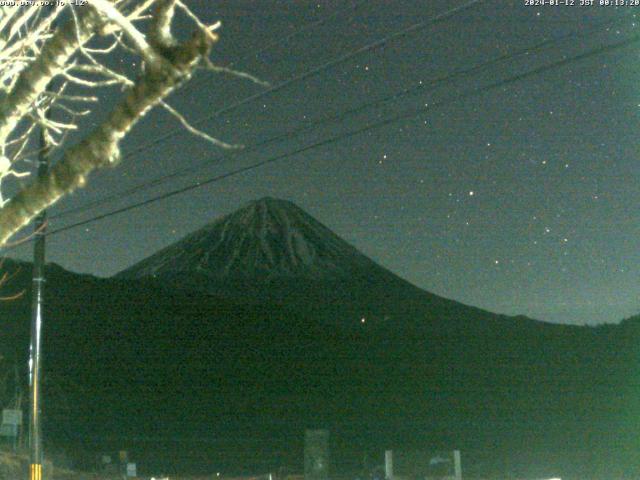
(272, 249)
(230, 383)
(266, 239)
(278, 325)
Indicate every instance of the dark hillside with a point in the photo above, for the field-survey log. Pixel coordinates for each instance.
(227, 375)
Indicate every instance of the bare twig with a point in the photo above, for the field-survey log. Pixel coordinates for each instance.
(236, 73)
(199, 133)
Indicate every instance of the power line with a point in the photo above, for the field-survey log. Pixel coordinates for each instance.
(278, 41)
(314, 71)
(398, 34)
(265, 48)
(406, 31)
(333, 117)
(404, 116)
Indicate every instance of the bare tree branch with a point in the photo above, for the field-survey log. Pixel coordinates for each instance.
(198, 133)
(44, 66)
(101, 147)
(113, 15)
(51, 61)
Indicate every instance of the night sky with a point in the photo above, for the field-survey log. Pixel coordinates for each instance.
(519, 200)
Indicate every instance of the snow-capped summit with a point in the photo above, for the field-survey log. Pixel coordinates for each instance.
(267, 239)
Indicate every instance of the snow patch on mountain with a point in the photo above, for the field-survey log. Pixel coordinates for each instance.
(267, 238)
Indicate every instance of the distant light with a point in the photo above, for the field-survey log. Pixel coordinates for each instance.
(471, 193)
(363, 320)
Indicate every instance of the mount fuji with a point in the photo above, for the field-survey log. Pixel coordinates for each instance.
(272, 249)
(267, 239)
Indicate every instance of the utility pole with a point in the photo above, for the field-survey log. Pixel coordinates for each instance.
(457, 465)
(37, 301)
(388, 464)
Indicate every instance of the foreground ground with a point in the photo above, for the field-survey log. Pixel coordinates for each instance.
(15, 467)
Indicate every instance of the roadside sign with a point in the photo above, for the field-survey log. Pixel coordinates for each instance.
(8, 430)
(131, 469)
(11, 417)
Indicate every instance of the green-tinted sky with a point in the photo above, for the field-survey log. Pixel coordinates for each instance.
(520, 200)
